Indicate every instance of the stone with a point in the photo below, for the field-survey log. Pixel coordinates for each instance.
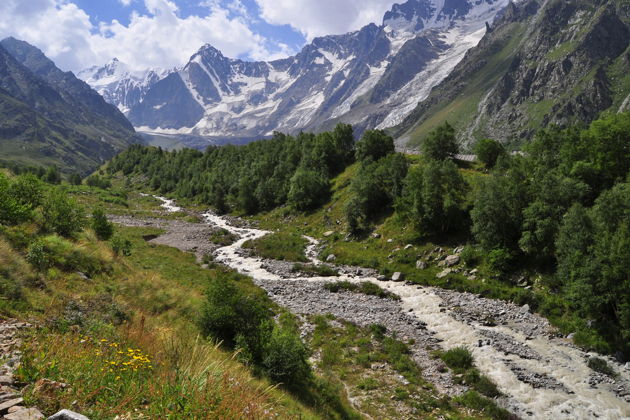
(525, 308)
(25, 414)
(472, 278)
(570, 336)
(8, 396)
(444, 273)
(398, 276)
(452, 260)
(376, 235)
(421, 265)
(67, 415)
(4, 407)
(331, 258)
(15, 408)
(474, 271)
(408, 246)
(381, 278)
(390, 241)
(329, 233)
(6, 379)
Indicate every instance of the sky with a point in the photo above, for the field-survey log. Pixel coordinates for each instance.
(78, 34)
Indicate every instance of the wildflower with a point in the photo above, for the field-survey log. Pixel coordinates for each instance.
(118, 378)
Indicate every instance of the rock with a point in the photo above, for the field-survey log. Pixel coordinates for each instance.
(421, 265)
(398, 276)
(376, 235)
(474, 271)
(331, 258)
(6, 379)
(525, 308)
(408, 246)
(4, 407)
(329, 233)
(472, 278)
(8, 396)
(452, 260)
(67, 415)
(83, 275)
(25, 414)
(15, 408)
(390, 241)
(570, 336)
(381, 278)
(444, 273)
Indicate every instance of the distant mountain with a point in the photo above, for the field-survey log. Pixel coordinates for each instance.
(542, 63)
(119, 85)
(373, 77)
(50, 117)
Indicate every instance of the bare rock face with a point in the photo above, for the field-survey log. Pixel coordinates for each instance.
(67, 415)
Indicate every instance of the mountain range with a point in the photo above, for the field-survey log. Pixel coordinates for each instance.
(51, 117)
(373, 77)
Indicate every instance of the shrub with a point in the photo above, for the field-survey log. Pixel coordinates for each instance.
(62, 214)
(500, 260)
(307, 190)
(601, 366)
(458, 358)
(37, 256)
(12, 210)
(470, 256)
(102, 227)
(121, 246)
(488, 151)
(286, 357)
(441, 143)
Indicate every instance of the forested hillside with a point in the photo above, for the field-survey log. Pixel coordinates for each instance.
(559, 211)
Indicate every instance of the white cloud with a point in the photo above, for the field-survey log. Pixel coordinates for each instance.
(324, 17)
(160, 39)
(125, 2)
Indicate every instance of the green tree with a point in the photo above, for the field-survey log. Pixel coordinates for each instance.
(441, 143)
(286, 357)
(433, 197)
(103, 228)
(488, 151)
(62, 214)
(374, 144)
(308, 189)
(13, 210)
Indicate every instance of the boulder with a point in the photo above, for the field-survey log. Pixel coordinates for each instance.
(4, 407)
(25, 414)
(398, 276)
(67, 415)
(381, 278)
(444, 273)
(331, 258)
(329, 233)
(452, 260)
(421, 265)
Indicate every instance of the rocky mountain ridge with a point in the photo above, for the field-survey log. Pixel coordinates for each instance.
(543, 63)
(372, 77)
(51, 117)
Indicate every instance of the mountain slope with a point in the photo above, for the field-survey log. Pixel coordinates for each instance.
(553, 62)
(371, 77)
(51, 117)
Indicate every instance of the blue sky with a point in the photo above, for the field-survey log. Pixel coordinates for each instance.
(78, 34)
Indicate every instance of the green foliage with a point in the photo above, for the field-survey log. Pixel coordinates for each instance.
(279, 246)
(488, 151)
(601, 366)
(103, 228)
(473, 400)
(441, 143)
(374, 145)
(13, 209)
(62, 214)
(433, 198)
(308, 189)
(286, 357)
(366, 287)
(52, 175)
(75, 179)
(470, 256)
(500, 260)
(121, 246)
(98, 182)
(458, 358)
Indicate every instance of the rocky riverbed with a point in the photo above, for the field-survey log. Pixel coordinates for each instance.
(542, 375)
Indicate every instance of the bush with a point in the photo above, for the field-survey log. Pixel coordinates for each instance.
(500, 260)
(62, 214)
(121, 246)
(601, 366)
(458, 358)
(98, 182)
(37, 256)
(470, 256)
(102, 227)
(307, 190)
(286, 357)
(12, 210)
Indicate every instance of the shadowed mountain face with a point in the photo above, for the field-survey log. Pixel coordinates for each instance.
(373, 77)
(51, 117)
(554, 62)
